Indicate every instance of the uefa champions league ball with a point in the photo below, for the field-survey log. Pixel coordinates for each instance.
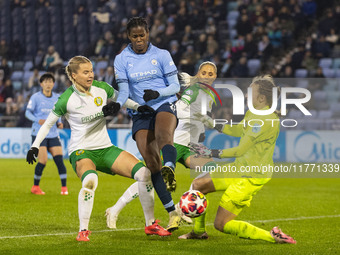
(193, 203)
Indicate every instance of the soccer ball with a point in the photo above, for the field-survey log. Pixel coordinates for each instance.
(193, 203)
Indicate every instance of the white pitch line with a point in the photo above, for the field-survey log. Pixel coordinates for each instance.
(209, 224)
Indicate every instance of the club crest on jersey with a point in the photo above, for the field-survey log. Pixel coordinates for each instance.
(154, 62)
(256, 128)
(98, 101)
(189, 92)
(79, 152)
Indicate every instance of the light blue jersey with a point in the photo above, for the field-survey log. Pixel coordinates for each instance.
(154, 70)
(39, 107)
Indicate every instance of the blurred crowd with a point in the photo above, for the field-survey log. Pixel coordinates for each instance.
(243, 38)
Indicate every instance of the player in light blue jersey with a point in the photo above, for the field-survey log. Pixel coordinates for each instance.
(148, 75)
(38, 108)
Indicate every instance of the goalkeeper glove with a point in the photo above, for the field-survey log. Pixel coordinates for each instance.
(145, 109)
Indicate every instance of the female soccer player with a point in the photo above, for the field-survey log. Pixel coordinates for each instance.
(148, 76)
(90, 148)
(38, 108)
(188, 130)
(256, 148)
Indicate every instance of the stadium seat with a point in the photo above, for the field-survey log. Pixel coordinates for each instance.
(100, 65)
(336, 63)
(325, 62)
(301, 73)
(233, 15)
(302, 83)
(27, 76)
(324, 114)
(28, 65)
(232, 34)
(18, 65)
(232, 6)
(17, 75)
(232, 23)
(328, 72)
(253, 66)
(337, 73)
(17, 85)
(319, 95)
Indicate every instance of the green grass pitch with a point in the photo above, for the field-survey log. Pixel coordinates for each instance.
(307, 209)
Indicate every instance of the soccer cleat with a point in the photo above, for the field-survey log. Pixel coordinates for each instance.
(156, 229)
(183, 217)
(192, 235)
(64, 191)
(36, 190)
(174, 221)
(83, 236)
(281, 237)
(111, 218)
(169, 178)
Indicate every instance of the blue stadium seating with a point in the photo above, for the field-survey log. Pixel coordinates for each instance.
(253, 66)
(325, 62)
(301, 73)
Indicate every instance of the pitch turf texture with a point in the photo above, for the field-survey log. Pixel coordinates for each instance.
(307, 209)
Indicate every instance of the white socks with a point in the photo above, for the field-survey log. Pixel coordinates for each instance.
(146, 194)
(85, 199)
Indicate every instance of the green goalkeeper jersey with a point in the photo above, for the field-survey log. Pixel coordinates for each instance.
(256, 148)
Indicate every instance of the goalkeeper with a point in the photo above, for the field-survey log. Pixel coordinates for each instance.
(256, 147)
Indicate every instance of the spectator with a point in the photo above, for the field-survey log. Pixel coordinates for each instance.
(250, 47)
(327, 23)
(244, 26)
(109, 77)
(241, 69)
(210, 27)
(5, 71)
(52, 61)
(101, 74)
(322, 48)
(4, 49)
(265, 48)
(33, 82)
(332, 38)
(309, 63)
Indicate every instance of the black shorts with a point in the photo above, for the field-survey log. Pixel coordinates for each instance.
(147, 120)
(49, 142)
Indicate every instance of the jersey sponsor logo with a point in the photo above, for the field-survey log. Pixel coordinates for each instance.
(154, 62)
(98, 101)
(79, 152)
(142, 74)
(92, 117)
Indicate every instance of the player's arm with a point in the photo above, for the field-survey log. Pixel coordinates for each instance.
(43, 131)
(232, 130)
(170, 74)
(113, 107)
(122, 81)
(29, 113)
(245, 144)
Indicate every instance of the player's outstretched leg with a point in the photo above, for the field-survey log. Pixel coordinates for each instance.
(112, 213)
(85, 203)
(281, 237)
